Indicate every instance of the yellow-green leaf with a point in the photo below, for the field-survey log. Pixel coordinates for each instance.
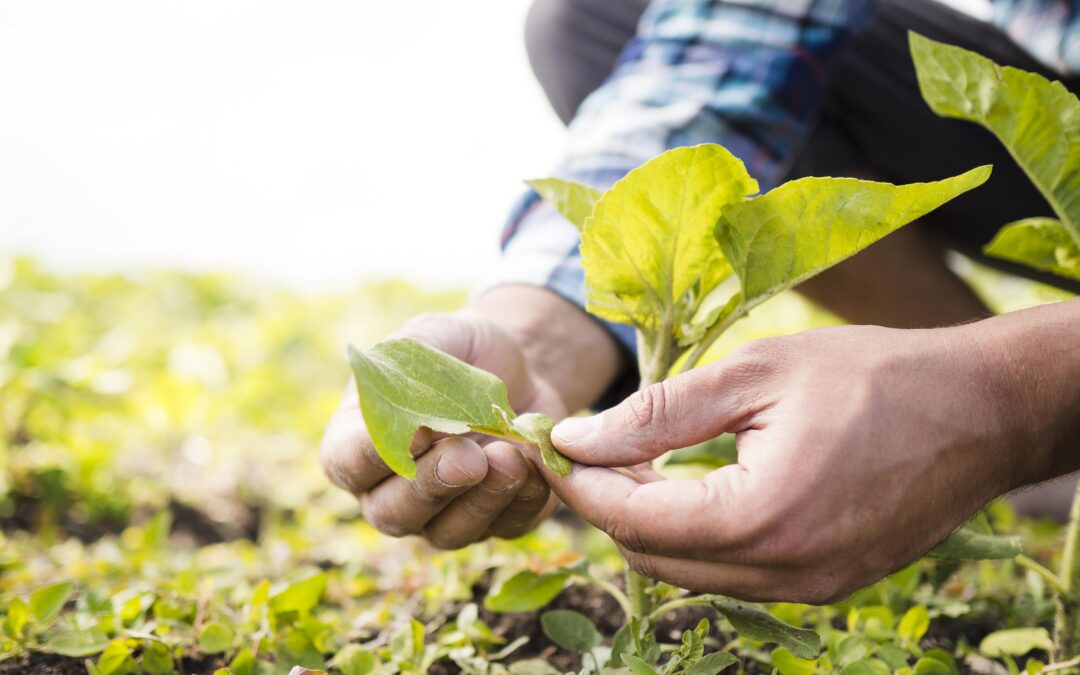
(301, 597)
(914, 624)
(1015, 642)
(405, 385)
(1036, 119)
(787, 663)
(215, 638)
(526, 591)
(648, 250)
(46, 603)
(1041, 243)
(574, 201)
(806, 226)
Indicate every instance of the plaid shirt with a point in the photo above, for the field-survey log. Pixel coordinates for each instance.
(748, 74)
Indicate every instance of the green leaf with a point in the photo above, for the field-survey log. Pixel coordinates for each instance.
(788, 664)
(300, 597)
(405, 385)
(866, 667)
(46, 603)
(1036, 119)
(570, 630)
(532, 667)
(914, 624)
(1041, 243)
(17, 615)
(942, 656)
(803, 227)
(711, 664)
(1015, 642)
(526, 591)
(536, 429)
(215, 638)
(758, 624)
(156, 659)
(243, 663)
(82, 643)
(648, 252)
(354, 660)
(929, 666)
(116, 658)
(968, 542)
(637, 665)
(573, 201)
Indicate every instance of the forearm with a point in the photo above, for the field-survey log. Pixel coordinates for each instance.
(562, 344)
(1033, 369)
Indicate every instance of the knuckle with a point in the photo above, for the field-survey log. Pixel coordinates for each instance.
(426, 496)
(626, 535)
(754, 358)
(383, 519)
(337, 466)
(444, 541)
(647, 406)
(642, 564)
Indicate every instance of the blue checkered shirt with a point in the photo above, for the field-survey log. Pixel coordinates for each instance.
(748, 74)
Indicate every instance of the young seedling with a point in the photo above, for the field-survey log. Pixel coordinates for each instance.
(1038, 121)
(680, 250)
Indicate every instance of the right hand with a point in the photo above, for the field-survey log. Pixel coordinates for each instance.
(467, 488)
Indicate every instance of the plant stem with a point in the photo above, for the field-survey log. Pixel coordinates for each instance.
(1047, 575)
(1061, 665)
(637, 587)
(688, 601)
(710, 337)
(655, 358)
(1067, 622)
(614, 591)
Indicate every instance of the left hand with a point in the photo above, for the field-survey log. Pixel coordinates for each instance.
(860, 448)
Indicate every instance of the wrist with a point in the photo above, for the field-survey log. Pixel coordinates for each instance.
(1030, 367)
(562, 345)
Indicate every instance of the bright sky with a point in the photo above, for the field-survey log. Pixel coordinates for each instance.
(309, 143)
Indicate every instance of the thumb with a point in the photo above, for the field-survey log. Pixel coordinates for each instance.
(689, 408)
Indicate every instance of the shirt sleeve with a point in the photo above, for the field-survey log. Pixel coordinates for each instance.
(748, 74)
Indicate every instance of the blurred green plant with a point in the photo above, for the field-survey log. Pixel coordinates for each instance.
(163, 511)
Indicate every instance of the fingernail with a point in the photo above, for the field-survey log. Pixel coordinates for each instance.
(499, 479)
(574, 429)
(451, 473)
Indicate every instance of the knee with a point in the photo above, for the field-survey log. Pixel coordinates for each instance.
(548, 43)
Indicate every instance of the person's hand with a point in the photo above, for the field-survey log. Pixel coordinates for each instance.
(860, 448)
(466, 488)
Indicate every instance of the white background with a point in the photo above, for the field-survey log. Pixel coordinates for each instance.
(310, 143)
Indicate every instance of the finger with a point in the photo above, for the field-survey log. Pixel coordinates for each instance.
(349, 458)
(400, 507)
(711, 519)
(756, 584)
(478, 342)
(531, 505)
(676, 413)
(467, 518)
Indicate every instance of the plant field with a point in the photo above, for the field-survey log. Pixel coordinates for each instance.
(163, 511)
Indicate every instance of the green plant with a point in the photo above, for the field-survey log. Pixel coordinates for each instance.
(680, 250)
(1038, 122)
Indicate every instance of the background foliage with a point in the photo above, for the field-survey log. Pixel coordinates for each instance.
(163, 509)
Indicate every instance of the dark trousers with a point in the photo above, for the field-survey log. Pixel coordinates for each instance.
(873, 124)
